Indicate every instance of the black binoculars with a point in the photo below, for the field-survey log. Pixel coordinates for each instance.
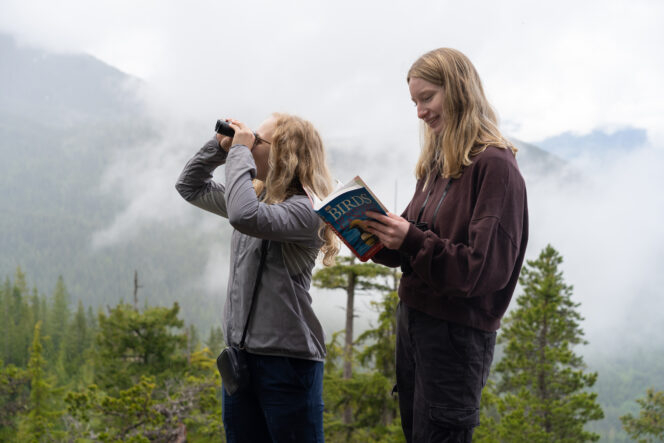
(224, 128)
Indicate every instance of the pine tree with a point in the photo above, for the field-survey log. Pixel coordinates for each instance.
(542, 389)
(130, 344)
(75, 347)
(649, 425)
(18, 325)
(215, 342)
(368, 392)
(5, 318)
(14, 393)
(39, 424)
(378, 354)
(148, 391)
(57, 320)
(351, 277)
(377, 408)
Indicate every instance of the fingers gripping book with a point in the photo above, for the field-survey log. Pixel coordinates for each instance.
(345, 211)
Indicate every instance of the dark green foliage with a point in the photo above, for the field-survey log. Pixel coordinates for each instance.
(17, 322)
(58, 319)
(14, 394)
(175, 387)
(623, 376)
(131, 344)
(541, 393)
(42, 418)
(367, 393)
(649, 425)
(379, 351)
(73, 355)
(159, 386)
(184, 401)
(215, 342)
(350, 276)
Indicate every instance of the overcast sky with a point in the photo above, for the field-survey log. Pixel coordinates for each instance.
(548, 68)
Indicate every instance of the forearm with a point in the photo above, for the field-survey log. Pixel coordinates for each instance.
(195, 183)
(482, 266)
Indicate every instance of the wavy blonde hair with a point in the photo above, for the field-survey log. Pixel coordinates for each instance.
(297, 161)
(470, 124)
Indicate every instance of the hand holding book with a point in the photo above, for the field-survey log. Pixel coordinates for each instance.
(390, 229)
(345, 210)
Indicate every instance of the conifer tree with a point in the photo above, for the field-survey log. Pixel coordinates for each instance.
(75, 346)
(5, 318)
(42, 415)
(215, 342)
(57, 319)
(350, 276)
(368, 392)
(130, 343)
(178, 401)
(18, 325)
(542, 387)
(14, 392)
(649, 425)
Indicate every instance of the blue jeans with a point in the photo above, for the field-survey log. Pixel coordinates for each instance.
(283, 404)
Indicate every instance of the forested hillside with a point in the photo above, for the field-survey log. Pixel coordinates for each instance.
(63, 118)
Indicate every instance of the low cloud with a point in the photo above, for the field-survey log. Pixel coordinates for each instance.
(604, 217)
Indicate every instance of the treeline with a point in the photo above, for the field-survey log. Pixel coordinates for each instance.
(138, 373)
(121, 374)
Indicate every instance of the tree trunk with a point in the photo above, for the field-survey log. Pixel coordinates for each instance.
(542, 376)
(348, 351)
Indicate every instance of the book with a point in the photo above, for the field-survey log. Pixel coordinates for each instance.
(344, 210)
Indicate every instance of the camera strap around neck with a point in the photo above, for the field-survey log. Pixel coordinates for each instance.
(264, 245)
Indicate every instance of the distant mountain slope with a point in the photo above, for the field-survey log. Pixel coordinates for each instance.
(44, 86)
(535, 162)
(63, 118)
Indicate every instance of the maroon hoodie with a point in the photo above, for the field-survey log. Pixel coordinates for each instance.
(465, 266)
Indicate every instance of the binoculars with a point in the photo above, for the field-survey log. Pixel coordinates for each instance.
(224, 128)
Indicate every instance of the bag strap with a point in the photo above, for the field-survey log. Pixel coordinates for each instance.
(261, 264)
(440, 202)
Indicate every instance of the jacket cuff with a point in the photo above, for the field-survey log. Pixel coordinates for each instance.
(413, 242)
(213, 153)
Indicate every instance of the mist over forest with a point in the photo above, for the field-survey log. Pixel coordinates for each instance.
(87, 193)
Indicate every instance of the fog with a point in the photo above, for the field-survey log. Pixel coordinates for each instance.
(549, 69)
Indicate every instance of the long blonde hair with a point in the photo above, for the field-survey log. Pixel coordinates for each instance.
(297, 160)
(469, 122)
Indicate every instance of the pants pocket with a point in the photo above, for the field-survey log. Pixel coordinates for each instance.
(489, 346)
(454, 418)
(304, 371)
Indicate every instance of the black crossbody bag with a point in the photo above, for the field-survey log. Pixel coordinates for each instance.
(232, 362)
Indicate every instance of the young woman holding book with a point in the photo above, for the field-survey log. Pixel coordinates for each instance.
(460, 242)
(284, 344)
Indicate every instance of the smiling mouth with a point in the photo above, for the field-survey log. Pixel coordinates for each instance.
(432, 121)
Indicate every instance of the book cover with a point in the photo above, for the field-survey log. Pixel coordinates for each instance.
(345, 211)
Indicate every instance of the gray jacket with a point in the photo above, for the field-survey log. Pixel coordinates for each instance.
(283, 322)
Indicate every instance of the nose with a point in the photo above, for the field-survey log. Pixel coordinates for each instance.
(421, 112)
